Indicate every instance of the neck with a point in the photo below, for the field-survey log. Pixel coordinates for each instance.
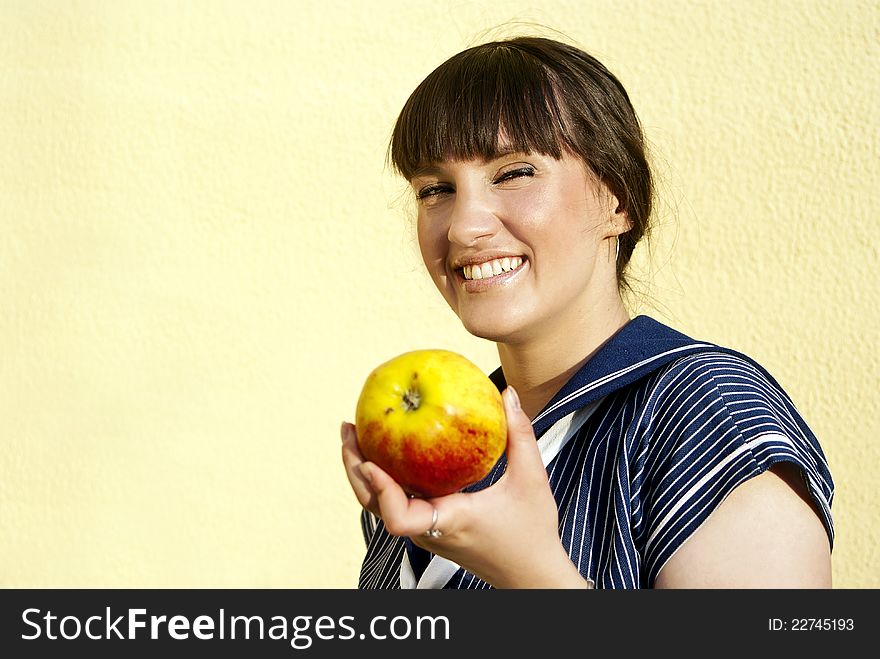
(539, 367)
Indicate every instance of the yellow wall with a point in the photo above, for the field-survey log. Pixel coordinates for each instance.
(202, 256)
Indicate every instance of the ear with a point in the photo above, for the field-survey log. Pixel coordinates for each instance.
(618, 221)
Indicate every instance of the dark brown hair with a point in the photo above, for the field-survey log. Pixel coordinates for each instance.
(545, 96)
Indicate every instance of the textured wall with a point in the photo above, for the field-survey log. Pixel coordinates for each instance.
(202, 256)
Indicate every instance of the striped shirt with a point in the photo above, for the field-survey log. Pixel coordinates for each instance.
(674, 426)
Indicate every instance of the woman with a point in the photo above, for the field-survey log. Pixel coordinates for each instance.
(636, 457)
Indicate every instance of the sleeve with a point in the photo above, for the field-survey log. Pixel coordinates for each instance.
(716, 420)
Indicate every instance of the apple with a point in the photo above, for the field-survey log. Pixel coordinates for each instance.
(432, 420)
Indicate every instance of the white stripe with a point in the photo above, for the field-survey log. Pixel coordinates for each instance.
(407, 575)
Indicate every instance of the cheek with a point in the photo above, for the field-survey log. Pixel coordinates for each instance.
(432, 245)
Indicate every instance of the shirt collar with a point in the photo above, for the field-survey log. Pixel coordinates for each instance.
(640, 347)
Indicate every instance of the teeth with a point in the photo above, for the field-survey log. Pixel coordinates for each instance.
(492, 268)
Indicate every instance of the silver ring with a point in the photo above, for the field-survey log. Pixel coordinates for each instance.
(433, 532)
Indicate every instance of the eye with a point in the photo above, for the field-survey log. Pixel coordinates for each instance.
(522, 171)
(432, 191)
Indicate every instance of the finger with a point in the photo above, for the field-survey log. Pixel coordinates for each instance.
(455, 513)
(352, 459)
(523, 456)
(401, 514)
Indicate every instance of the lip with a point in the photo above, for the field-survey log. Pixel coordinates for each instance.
(482, 257)
(482, 285)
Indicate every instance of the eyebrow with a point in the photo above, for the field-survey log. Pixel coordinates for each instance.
(506, 150)
(433, 168)
(425, 170)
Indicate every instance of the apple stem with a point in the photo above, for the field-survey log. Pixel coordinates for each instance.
(411, 400)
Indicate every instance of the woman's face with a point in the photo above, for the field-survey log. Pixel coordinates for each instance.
(519, 244)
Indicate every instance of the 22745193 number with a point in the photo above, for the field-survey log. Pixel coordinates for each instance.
(811, 624)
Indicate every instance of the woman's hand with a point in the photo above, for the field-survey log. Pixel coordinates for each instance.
(506, 534)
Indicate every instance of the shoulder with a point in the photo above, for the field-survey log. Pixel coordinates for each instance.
(716, 367)
(722, 384)
(724, 402)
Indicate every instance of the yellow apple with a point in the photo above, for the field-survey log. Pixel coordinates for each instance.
(432, 420)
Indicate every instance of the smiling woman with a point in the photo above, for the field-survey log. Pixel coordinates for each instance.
(636, 456)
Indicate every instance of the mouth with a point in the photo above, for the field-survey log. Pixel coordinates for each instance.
(492, 268)
(481, 276)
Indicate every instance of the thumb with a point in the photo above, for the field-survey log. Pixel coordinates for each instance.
(522, 447)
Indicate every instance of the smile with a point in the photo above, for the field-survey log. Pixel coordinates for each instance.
(491, 268)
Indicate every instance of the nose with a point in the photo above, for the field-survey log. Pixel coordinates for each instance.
(472, 217)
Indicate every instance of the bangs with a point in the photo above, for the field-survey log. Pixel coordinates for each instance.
(481, 103)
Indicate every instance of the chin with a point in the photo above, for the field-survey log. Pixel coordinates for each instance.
(498, 329)
(494, 320)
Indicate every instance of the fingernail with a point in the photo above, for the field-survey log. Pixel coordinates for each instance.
(366, 472)
(514, 399)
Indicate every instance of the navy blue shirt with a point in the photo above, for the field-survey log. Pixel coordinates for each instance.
(678, 425)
